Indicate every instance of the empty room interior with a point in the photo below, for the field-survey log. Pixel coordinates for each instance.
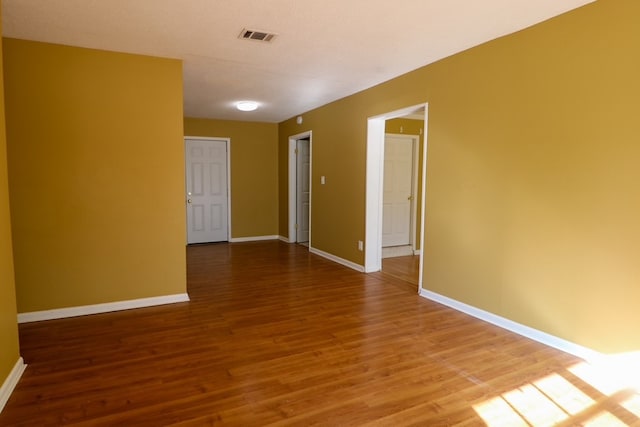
(320, 213)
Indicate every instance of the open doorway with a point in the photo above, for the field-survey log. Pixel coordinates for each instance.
(400, 187)
(377, 223)
(300, 188)
(400, 198)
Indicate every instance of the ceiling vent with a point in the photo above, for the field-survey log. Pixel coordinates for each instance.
(262, 36)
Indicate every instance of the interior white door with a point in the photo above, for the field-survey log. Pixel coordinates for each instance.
(397, 191)
(207, 199)
(303, 189)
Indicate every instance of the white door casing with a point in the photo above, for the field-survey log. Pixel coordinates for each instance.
(293, 186)
(303, 190)
(207, 195)
(374, 178)
(398, 199)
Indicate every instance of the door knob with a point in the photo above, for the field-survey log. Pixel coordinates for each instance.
(410, 198)
(189, 201)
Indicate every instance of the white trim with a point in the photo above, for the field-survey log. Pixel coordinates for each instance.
(228, 187)
(293, 168)
(374, 177)
(423, 195)
(228, 149)
(284, 239)
(417, 252)
(205, 138)
(373, 195)
(61, 313)
(293, 236)
(253, 238)
(414, 190)
(518, 328)
(11, 382)
(339, 260)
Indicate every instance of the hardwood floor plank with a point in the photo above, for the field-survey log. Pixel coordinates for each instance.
(274, 335)
(404, 267)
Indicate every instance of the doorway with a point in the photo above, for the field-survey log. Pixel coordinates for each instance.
(207, 189)
(300, 188)
(374, 186)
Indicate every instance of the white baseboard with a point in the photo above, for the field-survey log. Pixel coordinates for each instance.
(518, 328)
(339, 260)
(60, 313)
(396, 251)
(284, 239)
(11, 382)
(253, 238)
(417, 252)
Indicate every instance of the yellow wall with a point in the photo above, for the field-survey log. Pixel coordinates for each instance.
(9, 351)
(254, 172)
(338, 153)
(532, 175)
(96, 175)
(411, 127)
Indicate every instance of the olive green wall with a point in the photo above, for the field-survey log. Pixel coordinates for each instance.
(96, 175)
(532, 204)
(254, 172)
(9, 351)
(411, 127)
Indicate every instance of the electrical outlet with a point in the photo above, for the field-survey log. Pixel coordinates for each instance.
(360, 245)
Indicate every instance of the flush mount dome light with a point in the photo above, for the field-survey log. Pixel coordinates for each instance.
(247, 105)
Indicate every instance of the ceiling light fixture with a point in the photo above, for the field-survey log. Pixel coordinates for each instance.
(247, 105)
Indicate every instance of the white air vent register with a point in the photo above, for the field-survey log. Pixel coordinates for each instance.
(262, 36)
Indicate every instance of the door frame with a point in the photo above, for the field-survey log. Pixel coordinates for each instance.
(184, 162)
(374, 181)
(300, 177)
(415, 164)
(293, 173)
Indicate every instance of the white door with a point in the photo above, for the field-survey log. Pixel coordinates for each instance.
(207, 200)
(302, 189)
(397, 191)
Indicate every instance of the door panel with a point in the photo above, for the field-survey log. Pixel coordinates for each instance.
(207, 201)
(397, 191)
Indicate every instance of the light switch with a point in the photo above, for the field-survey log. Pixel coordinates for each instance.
(322, 180)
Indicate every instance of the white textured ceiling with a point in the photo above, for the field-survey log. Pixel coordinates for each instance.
(325, 49)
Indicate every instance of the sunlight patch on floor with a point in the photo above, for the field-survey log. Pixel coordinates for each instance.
(610, 374)
(632, 405)
(604, 419)
(557, 400)
(497, 412)
(536, 408)
(564, 394)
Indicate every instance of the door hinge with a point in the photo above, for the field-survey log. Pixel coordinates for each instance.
(296, 151)
(296, 227)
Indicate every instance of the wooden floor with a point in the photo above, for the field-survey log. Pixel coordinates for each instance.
(403, 267)
(274, 335)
